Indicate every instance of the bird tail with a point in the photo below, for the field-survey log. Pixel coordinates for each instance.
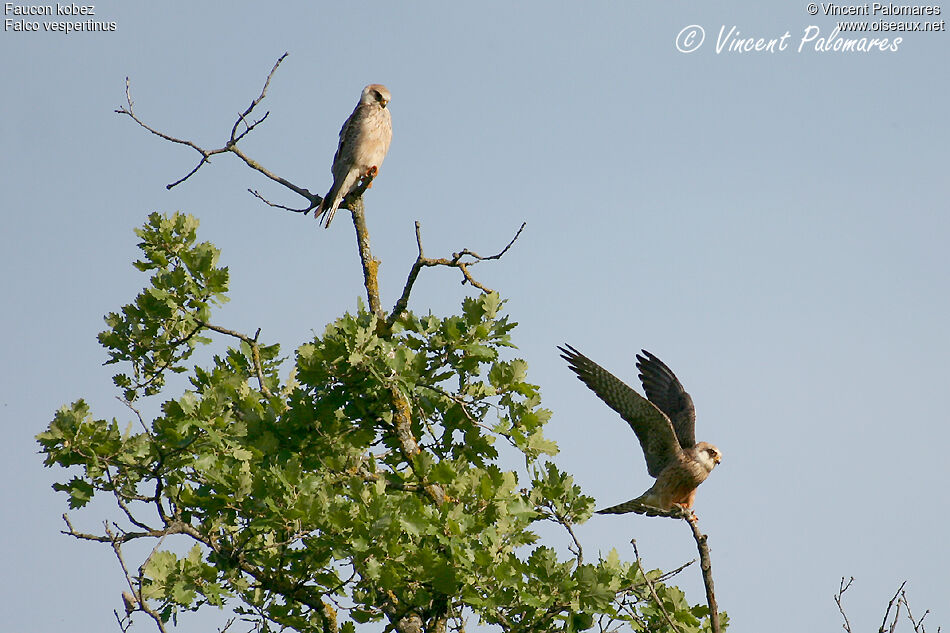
(634, 505)
(334, 198)
(327, 208)
(643, 504)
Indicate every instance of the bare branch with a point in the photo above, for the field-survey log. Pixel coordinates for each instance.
(917, 624)
(305, 210)
(497, 255)
(895, 601)
(122, 538)
(706, 566)
(458, 260)
(123, 505)
(230, 146)
(314, 199)
(656, 598)
(370, 264)
(129, 111)
(403, 301)
(204, 159)
(669, 574)
(140, 603)
(842, 587)
(227, 625)
(138, 415)
(242, 118)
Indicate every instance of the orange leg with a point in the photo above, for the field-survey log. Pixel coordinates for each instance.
(371, 173)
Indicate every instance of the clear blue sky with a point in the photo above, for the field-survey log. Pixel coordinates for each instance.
(775, 226)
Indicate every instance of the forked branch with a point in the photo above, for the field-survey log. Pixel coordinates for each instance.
(242, 126)
(841, 589)
(461, 260)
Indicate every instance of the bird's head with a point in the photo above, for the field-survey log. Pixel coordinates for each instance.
(375, 93)
(708, 454)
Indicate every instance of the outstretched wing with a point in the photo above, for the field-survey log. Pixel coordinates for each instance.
(667, 393)
(653, 428)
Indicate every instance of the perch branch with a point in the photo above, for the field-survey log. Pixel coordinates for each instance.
(402, 412)
(706, 566)
(677, 512)
(370, 263)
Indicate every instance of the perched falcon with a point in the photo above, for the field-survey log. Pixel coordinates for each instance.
(664, 422)
(364, 141)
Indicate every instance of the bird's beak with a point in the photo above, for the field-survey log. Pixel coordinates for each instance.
(718, 458)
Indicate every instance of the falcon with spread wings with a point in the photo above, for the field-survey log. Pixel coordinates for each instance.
(364, 141)
(664, 423)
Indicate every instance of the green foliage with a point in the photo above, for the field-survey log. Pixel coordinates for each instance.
(161, 328)
(369, 477)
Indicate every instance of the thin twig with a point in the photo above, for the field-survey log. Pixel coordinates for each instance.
(230, 146)
(122, 538)
(890, 604)
(664, 576)
(842, 587)
(652, 587)
(243, 116)
(138, 415)
(313, 205)
(142, 605)
(557, 517)
(456, 261)
(122, 504)
(917, 624)
(227, 625)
